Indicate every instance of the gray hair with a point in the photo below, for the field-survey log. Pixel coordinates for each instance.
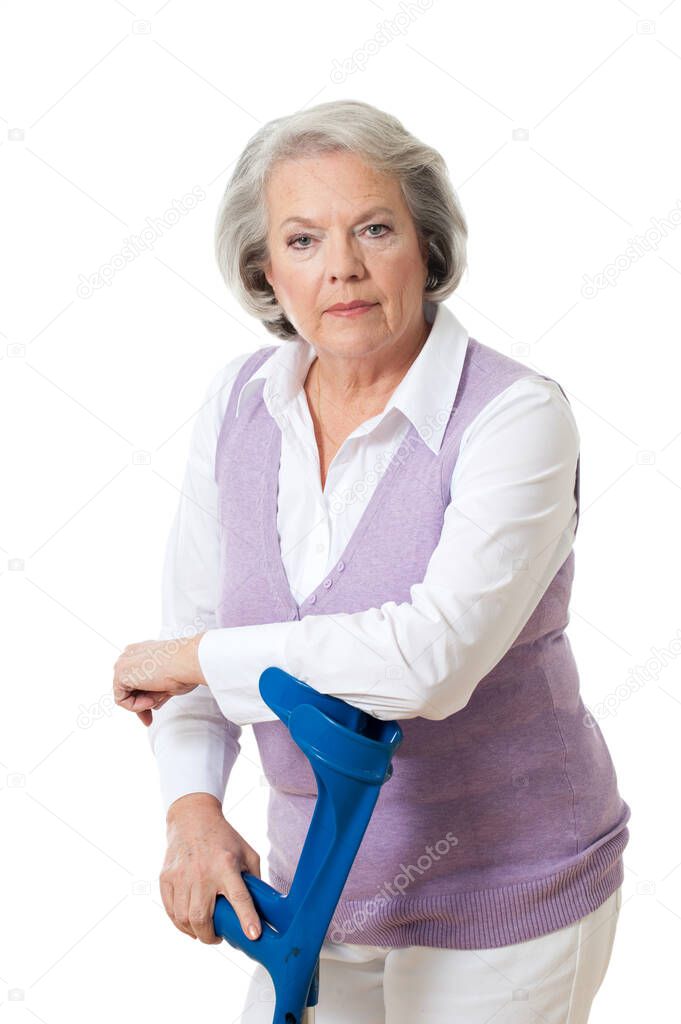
(379, 139)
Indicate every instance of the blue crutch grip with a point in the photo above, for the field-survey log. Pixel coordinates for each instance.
(350, 754)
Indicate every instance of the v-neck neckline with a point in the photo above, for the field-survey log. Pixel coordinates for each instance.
(272, 545)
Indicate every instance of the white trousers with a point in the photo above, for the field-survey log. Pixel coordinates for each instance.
(549, 980)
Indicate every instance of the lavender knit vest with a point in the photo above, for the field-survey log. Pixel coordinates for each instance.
(501, 822)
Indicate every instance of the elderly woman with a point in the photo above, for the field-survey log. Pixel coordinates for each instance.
(384, 507)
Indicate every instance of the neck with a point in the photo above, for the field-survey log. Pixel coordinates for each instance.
(364, 383)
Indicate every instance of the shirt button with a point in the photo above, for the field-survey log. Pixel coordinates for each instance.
(313, 599)
(327, 583)
(340, 566)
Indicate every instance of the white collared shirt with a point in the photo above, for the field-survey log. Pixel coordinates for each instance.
(512, 498)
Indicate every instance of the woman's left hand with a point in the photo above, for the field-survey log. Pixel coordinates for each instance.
(148, 674)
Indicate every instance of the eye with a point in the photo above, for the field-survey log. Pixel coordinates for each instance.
(296, 239)
(292, 242)
(377, 226)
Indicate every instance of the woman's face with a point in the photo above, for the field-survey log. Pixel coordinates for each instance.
(343, 249)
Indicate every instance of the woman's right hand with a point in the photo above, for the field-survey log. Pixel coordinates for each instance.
(205, 856)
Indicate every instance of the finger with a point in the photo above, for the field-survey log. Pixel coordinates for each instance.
(134, 702)
(146, 716)
(201, 910)
(141, 700)
(252, 862)
(236, 891)
(181, 910)
(168, 897)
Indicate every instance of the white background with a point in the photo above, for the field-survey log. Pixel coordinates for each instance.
(559, 124)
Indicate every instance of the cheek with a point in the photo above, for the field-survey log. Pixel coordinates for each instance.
(398, 264)
(294, 286)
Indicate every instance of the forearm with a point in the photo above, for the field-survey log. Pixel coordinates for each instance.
(506, 532)
(418, 659)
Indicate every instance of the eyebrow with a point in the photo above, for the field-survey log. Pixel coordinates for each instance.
(364, 216)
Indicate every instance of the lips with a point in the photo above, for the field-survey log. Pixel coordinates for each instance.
(355, 304)
(352, 312)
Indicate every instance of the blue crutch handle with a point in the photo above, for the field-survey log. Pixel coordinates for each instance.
(350, 754)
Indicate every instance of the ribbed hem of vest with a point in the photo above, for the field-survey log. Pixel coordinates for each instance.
(483, 918)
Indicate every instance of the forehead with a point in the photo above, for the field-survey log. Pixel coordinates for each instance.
(328, 185)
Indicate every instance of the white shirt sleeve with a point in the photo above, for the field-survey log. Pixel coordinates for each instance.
(195, 746)
(506, 532)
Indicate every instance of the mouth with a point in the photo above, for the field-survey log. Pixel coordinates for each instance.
(351, 308)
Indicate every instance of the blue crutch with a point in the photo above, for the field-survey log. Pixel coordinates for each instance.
(350, 753)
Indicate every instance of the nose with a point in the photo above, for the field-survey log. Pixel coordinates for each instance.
(343, 259)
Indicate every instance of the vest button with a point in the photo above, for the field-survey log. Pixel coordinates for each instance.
(313, 599)
(292, 615)
(340, 566)
(327, 583)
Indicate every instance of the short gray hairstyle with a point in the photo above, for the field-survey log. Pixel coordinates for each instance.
(379, 139)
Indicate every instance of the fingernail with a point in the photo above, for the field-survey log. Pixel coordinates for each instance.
(253, 931)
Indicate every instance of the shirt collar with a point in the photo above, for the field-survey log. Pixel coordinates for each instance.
(425, 394)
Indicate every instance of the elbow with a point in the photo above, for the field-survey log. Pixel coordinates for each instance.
(441, 699)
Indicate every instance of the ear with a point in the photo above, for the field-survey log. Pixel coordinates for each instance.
(267, 271)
